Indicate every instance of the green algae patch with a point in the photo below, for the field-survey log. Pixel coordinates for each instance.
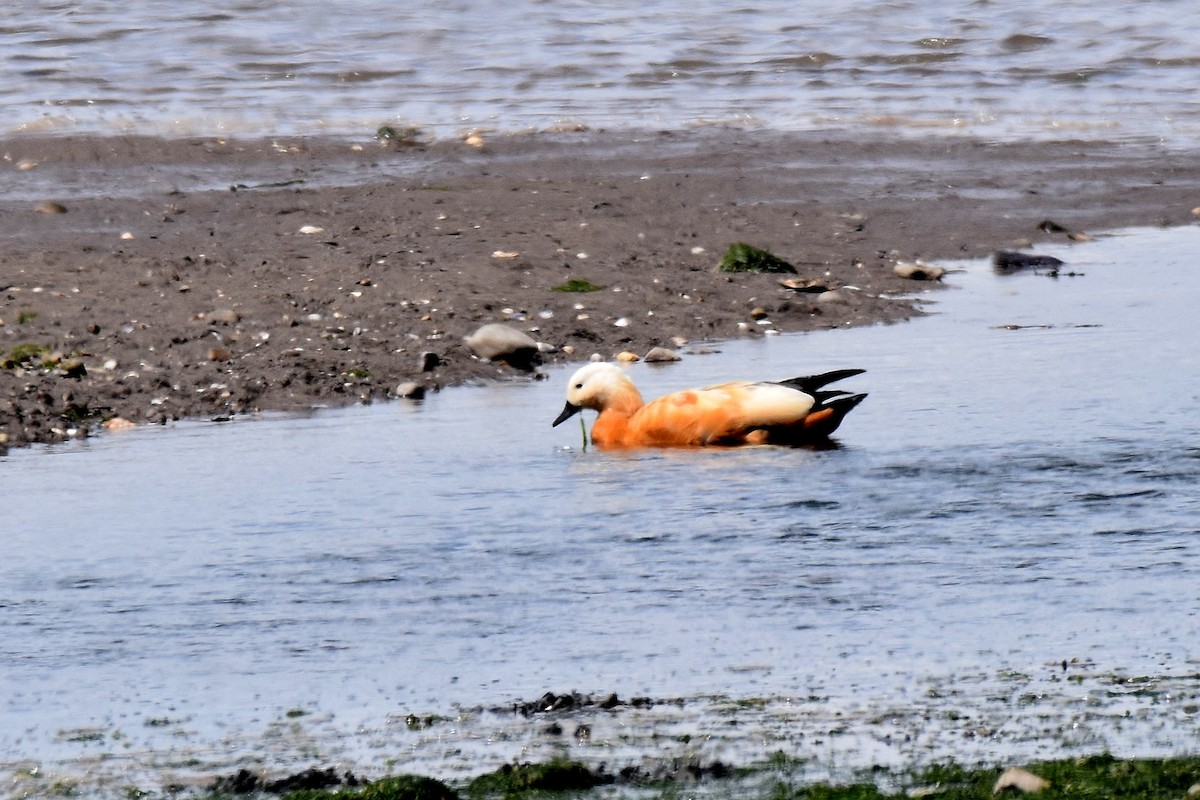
(399, 787)
(1099, 777)
(553, 776)
(576, 285)
(24, 356)
(742, 257)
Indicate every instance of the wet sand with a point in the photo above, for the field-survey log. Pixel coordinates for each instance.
(152, 280)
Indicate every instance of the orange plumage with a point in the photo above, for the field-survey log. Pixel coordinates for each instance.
(792, 412)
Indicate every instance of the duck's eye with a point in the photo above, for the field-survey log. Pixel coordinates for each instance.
(579, 386)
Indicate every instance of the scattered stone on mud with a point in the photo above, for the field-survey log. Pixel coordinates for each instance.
(626, 357)
(550, 701)
(341, 320)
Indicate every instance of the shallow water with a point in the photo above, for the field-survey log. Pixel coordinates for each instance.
(1007, 499)
(1007, 70)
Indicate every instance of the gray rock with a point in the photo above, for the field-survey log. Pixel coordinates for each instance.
(410, 390)
(661, 355)
(497, 342)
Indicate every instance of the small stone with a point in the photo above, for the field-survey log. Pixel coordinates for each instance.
(1194, 790)
(678, 341)
(222, 316)
(73, 368)
(758, 313)
(661, 355)
(1020, 779)
(626, 357)
(918, 271)
(219, 354)
(310, 229)
(595, 357)
(505, 254)
(128, 235)
(50, 207)
(832, 296)
(621, 322)
(474, 139)
(410, 390)
(118, 424)
(26, 164)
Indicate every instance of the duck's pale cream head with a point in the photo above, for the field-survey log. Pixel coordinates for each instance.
(595, 386)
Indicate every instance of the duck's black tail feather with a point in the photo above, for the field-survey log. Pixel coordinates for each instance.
(810, 384)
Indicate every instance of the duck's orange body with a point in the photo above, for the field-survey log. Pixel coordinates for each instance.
(793, 412)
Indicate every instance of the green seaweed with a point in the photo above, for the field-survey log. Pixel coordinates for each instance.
(559, 775)
(24, 355)
(397, 787)
(576, 285)
(742, 257)
(1100, 777)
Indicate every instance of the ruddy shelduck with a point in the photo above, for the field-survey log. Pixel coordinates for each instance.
(793, 412)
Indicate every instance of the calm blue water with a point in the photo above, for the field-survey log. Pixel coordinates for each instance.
(1017, 69)
(1005, 500)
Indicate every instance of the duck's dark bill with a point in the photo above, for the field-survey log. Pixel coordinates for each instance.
(569, 410)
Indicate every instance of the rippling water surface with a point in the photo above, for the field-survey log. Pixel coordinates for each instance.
(1008, 498)
(1110, 69)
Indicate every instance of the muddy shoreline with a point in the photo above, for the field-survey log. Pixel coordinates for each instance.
(153, 279)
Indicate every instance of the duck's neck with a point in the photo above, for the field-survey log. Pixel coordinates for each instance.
(609, 429)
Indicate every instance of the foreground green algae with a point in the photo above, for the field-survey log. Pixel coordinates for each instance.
(1093, 778)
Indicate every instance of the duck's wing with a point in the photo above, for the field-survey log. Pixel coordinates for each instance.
(723, 414)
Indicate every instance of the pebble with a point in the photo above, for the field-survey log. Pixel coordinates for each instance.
(1020, 779)
(222, 316)
(758, 313)
(410, 390)
(832, 296)
(918, 271)
(118, 424)
(626, 357)
(50, 207)
(495, 341)
(621, 323)
(661, 355)
(311, 229)
(219, 354)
